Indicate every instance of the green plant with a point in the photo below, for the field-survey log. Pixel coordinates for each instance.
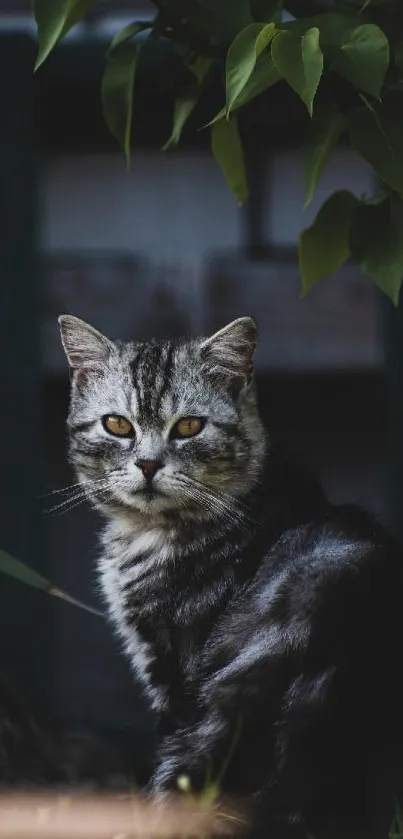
(24, 574)
(343, 58)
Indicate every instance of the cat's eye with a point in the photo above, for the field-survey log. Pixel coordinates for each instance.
(187, 427)
(118, 426)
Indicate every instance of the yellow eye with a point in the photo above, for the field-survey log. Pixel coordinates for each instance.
(119, 426)
(188, 427)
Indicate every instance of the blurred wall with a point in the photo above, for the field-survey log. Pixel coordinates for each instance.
(319, 364)
(163, 249)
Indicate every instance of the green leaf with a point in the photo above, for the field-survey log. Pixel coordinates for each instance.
(199, 65)
(14, 568)
(333, 26)
(117, 92)
(264, 38)
(128, 32)
(324, 246)
(242, 56)
(300, 62)
(376, 133)
(53, 19)
(376, 241)
(265, 75)
(227, 149)
(362, 58)
(357, 51)
(77, 10)
(182, 110)
(324, 132)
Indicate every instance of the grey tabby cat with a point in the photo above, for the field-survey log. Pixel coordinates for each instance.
(261, 621)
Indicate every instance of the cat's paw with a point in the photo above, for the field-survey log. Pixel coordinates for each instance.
(166, 779)
(169, 778)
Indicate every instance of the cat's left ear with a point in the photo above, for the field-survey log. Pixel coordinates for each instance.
(86, 349)
(229, 352)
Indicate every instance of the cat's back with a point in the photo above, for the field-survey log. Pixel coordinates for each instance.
(313, 642)
(337, 565)
(329, 589)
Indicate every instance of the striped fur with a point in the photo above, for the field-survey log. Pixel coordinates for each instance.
(248, 606)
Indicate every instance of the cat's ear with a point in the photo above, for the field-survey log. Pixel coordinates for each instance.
(229, 352)
(86, 348)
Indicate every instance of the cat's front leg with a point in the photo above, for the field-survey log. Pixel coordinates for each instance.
(188, 758)
(179, 766)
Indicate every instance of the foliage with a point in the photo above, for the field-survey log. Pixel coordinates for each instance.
(14, 568)
(342, 58)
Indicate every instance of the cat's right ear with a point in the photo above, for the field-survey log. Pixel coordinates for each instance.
(229, 353)
(86, 348)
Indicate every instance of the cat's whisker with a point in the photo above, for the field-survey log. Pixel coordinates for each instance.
(69, 505)
(180, 502)
(184, 507)
(232, 514)
(55, 511)
(230, 498)
(65, 507)
(195, 492)
(72, 487)
(220, 494)
(210, 505)
(239, 515)
(61, 490)
(79, 497)
(226, 509)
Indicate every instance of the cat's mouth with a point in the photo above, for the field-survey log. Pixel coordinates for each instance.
(148, 493)
(148, 499)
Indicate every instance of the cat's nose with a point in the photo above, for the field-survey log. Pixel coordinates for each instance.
(149, 467)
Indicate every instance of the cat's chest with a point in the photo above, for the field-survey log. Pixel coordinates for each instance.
(164, 602)
(136, 583)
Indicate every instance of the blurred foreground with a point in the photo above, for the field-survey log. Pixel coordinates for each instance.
(120, 817)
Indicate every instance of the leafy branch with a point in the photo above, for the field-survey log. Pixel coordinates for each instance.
(246, 47)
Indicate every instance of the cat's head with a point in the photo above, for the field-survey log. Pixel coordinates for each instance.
(164, 426)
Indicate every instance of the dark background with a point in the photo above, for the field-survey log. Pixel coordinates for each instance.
(161, 250)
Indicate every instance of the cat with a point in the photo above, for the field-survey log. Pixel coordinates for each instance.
(262, 622)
